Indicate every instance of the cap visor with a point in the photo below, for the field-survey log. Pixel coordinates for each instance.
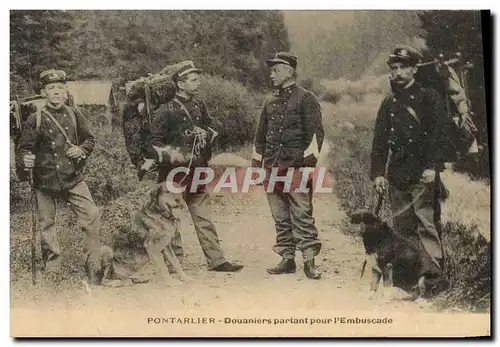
(274, 61)
(190, 71)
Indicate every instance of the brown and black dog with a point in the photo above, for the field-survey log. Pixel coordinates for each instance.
(148, 238)
(398, 261)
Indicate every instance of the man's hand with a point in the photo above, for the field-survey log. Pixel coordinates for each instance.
(381, 184)
(29, 160)
(176, 156)
(428, 176)
(201, 133)
(256, 163)
(140, 107)
(75, 152)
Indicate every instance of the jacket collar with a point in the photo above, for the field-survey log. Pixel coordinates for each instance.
(285, 92)
(183, 99)
(410, 92)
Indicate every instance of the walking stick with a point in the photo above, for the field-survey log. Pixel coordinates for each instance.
(34, 209)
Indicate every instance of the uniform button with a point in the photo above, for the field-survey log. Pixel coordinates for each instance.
(410, 141)
(55, 154)
(281, 145)
(50, 130)
(280, 130)
(411, 126)
(197, 118)
(394, 99)
(184, 118)
(57, 166)
(412, 97)
(66, 128)
(392, 114)
(65, 116)
(392, 129)
(53, 143)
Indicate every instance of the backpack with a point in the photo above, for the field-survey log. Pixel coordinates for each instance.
(21, 109)
(441, 76)
(144, 96)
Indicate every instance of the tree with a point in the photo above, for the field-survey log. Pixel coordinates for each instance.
(124, 45)
(36, 39)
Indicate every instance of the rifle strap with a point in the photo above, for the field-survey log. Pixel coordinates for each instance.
(38, 119)
(58, 125)
(184, 108)
(68, 109)
(52, 118)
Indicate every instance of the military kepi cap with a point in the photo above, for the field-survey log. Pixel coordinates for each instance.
(184, 68)
(405, 54)
(52, 76)
(283, 58)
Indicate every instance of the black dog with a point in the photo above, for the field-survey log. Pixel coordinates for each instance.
(399, 261)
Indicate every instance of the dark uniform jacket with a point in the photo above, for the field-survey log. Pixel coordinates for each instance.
(412, 123)
(53, 169)
(172, 126)
(290, 129)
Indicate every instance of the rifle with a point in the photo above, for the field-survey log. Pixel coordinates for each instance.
(463, 119)
(34, 232)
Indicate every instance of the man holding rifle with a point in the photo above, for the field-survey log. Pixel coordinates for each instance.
(53, 148)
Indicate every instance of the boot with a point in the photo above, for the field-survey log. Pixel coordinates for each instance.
(286, 266)
(310, 270)
(227, 267)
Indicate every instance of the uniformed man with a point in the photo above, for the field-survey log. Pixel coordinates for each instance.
(290, 135)
(409, 150)
(185, 124)
(55, 144)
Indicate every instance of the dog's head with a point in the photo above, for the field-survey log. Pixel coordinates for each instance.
(163, 202)
(364, 216)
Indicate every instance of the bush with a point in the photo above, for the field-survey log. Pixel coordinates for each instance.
(339, 89)
(109, 172)
(313, 85)
(234, 106)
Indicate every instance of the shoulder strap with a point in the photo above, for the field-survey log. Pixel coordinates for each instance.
(178, 102)
(58, 125)
(38, 119)
(73, 118)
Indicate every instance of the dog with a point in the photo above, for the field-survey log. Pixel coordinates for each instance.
(398, 261)
(148, 237)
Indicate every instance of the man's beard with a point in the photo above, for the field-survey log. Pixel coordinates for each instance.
(398, 84)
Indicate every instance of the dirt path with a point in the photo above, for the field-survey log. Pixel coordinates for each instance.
(247, 234)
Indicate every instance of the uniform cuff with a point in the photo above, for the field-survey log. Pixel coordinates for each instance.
(256, 156)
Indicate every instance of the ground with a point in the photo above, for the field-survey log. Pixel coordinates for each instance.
(246, 229)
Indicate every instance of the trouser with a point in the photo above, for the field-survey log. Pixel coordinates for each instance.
(87, 216)
(420, 222)
(294, 222)
(205, 229)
